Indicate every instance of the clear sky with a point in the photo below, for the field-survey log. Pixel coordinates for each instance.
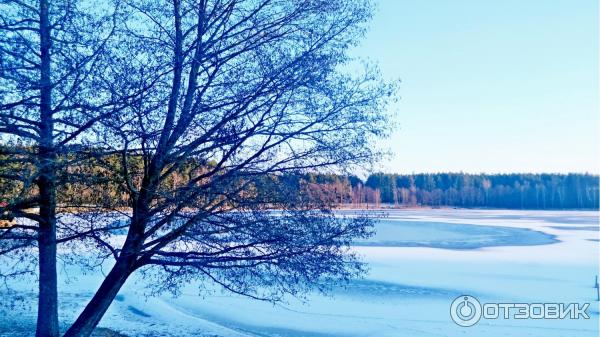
(490, 85)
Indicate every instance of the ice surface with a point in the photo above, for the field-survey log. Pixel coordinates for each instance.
(419, 261)
(403, 233)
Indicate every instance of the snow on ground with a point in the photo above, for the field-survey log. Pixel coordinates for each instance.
(415, 273)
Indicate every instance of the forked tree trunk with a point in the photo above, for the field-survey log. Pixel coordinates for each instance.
(47, 318)
(96, 308)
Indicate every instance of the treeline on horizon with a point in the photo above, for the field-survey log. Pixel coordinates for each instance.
(509, 191)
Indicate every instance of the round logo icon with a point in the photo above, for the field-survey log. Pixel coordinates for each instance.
(465, 310)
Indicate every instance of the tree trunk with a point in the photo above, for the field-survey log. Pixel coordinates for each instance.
(96, 308)
(47, 318)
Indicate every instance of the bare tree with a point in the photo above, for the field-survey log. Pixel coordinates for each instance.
(221, 105)
(50, 61)
(245, 94)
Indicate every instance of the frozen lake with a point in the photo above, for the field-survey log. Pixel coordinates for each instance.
(420, 260)
(407, 233)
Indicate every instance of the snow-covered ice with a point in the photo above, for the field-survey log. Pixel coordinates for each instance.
(420, 260)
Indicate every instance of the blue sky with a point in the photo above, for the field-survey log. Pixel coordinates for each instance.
(490, 86)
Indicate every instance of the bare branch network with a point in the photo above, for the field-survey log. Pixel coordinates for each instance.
(172, 137)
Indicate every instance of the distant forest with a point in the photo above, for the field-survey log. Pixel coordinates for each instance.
(513, 191)
(509, 191)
